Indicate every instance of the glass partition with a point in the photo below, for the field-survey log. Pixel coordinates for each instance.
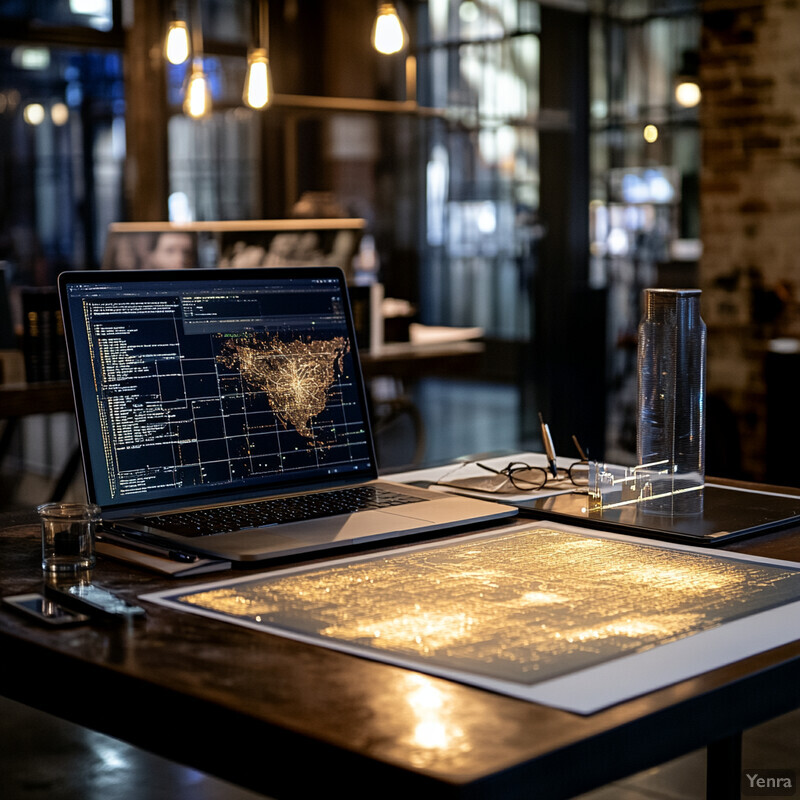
(479, 66)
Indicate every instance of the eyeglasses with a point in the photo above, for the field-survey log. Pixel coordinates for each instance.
(526, 478)
(519, 476)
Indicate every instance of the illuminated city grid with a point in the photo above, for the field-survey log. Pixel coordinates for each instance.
(522, 606)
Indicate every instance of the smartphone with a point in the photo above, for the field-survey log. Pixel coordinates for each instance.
(44, 610)
(97, 602)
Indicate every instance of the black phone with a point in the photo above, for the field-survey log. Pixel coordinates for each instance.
(93, 600)
(44, 609)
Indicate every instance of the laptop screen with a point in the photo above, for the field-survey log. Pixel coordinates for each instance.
(200, 382)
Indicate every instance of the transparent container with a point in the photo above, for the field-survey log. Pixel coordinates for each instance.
(670, 431)
(68, 536)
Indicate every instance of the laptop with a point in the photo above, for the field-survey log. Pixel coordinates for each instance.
(219, 409)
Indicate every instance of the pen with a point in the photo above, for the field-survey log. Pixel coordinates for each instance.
(149, 549)
(548, 446)
(176, 555)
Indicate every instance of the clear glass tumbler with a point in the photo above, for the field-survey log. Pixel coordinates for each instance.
(68, 536)
(670, 433)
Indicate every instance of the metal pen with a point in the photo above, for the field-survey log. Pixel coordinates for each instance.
(147, 548)
(548, 446)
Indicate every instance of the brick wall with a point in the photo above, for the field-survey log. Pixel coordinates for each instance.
(750, 200)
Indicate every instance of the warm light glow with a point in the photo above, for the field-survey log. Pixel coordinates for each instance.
(411, 78)
(388, 34)
(33, 114)
(198, 99)
(258, 81)
(176, 48)
(59, 113)
(650, 133)
(687, 94)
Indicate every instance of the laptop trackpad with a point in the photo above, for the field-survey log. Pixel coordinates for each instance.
(353, 526)
(310, 535)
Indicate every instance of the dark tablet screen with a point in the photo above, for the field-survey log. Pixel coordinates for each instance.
(727, 513)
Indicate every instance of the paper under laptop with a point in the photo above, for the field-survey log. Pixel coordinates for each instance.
(208, 389)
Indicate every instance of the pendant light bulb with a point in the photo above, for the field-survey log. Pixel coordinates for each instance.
(258, 81)
(176, 48)
(388, 34)
(687, 93)
(198, 99)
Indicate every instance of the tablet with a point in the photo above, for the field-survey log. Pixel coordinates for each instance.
(728, 513)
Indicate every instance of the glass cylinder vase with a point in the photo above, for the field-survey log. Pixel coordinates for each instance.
(670, 431)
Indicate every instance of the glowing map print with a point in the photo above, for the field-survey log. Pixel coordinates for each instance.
(296, 376)
(522, 605)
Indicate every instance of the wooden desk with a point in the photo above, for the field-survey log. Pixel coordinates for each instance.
(405, 363)
(290, 719)
(19, 400)
(24, 399)
(404, 360)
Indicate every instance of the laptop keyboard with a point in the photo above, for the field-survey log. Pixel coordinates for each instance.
(224, 519)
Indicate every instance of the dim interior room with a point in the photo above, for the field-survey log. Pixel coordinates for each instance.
(501, 181)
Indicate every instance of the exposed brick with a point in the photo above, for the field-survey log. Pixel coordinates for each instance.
(739, 120)
(757, 82)
(715, 85)
(762, 142)
(784, 120)
(742, 101)
(723, 184)
(750, 196)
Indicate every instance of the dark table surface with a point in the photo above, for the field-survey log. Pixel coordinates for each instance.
(291, 719)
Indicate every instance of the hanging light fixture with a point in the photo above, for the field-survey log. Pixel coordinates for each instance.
(388, 34)
(687, 92)
(197, 101)
(687, 89)
(176, 47)
(258, 80)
